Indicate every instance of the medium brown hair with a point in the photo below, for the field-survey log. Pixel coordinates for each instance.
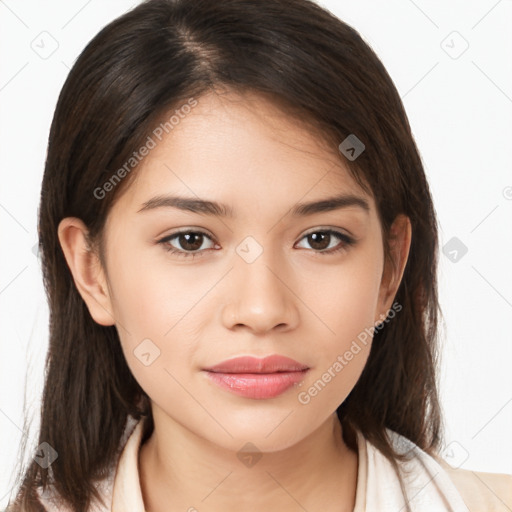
(134, 72)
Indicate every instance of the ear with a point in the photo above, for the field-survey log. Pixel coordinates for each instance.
(399, 244)
(86, 268)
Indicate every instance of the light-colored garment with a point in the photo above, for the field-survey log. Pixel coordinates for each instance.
(431, 484)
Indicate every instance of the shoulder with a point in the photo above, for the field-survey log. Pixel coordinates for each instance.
(480, 491)
(50, 501)
(469, 490)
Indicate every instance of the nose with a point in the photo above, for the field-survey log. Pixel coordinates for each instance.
(261, 296)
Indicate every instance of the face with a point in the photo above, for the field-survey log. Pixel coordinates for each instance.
(190, 288)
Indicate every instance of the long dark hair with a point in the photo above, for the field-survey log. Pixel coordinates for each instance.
(134, 72)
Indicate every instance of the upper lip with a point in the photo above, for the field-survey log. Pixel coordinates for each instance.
(250, 364)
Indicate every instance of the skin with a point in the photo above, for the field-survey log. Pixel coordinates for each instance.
(292, 300)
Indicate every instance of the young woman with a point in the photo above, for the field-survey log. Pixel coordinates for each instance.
(239, 250)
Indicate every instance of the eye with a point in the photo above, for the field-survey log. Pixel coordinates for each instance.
(191, 243)
(321, 240)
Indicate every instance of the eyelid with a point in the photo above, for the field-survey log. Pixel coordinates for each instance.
(193, 229)
(331, 229)
(190, 229)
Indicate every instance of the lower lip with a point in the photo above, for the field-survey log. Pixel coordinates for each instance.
(257, 385)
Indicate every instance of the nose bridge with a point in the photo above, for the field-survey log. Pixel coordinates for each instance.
(260, 299)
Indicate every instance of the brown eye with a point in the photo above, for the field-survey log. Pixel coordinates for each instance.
(186, 243)
(318, 240)
(324, 241)
(190, 241)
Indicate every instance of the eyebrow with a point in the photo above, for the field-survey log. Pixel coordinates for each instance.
(205, 207)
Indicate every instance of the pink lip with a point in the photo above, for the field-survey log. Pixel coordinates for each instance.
(257, 378)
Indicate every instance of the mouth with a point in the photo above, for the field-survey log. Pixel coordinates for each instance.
(255, 378)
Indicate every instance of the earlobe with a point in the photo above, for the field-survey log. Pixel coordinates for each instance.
(86, 269)
(399, 245)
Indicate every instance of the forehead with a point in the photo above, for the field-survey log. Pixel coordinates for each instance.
(241, 147)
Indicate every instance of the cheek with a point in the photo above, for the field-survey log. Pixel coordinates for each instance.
(345, 303)
(160, 310)
(153, 296)
(345, 297)
(340, 356)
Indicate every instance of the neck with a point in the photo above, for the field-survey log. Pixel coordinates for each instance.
(181, 471)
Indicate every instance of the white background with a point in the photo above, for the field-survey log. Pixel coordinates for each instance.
(460, 110)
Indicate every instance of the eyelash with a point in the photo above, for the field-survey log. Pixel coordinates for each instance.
(347, 242)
